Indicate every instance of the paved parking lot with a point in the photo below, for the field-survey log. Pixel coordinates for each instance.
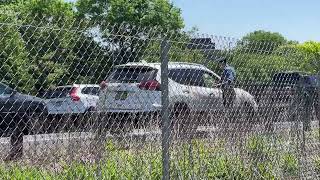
(59, 141)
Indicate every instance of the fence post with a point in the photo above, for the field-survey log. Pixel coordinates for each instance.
(165, 110)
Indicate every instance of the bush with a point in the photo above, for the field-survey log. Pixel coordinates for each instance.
(317, 165)
(264, 170)
(290, 164)
(195, 160)
(259, 148)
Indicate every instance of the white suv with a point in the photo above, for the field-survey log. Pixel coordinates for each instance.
(73, 99)
(135, 88)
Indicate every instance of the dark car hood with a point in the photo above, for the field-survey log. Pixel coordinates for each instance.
(24, 97)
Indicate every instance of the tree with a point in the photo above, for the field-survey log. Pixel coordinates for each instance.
(262, 41)
(60, 46)
(142, 13)
(126, 26)
(312, 51)
(14, 69)
(260, 65)
(44, 26)
(311, 47)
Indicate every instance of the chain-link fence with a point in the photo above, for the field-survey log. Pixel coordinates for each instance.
(124, 102)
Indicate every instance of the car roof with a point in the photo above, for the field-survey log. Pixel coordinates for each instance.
(292, 72)
(78, 85)
(171, 65)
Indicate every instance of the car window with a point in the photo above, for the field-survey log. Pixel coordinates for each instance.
(60, 92)
(178, 75)
(90, 91)
(189, 77)
(4, 90)
(131, 74)
(286, 78)
(210, 80)
(310, 81)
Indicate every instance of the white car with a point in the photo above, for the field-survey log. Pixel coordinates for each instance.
(135, 88)
(73, 99)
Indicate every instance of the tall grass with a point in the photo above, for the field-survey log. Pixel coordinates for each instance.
(197, 159)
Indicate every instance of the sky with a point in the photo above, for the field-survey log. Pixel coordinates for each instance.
(295, 19)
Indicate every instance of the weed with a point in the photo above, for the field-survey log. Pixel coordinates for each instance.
(317, 164)
(290, 164)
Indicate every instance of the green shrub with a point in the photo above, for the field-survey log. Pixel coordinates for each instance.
(290, 164)
(259, 147)
(18, 172)
(264, 170)
(195, 160)
(317, 164)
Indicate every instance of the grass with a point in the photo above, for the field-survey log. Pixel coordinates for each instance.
(317, 165)
(198, 159)
(290, 164)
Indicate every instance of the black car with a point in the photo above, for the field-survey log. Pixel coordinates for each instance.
(276, 97)
(20, 111)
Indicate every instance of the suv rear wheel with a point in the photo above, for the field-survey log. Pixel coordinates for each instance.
(120, 124)
(84, 122)
(182, 121)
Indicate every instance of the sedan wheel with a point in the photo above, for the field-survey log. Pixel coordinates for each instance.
(37, 123)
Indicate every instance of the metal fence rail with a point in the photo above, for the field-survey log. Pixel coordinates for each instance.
(146, 103)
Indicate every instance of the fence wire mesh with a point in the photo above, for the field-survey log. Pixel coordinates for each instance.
(81, 100)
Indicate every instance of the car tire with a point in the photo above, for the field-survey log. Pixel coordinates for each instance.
(149, 121)
(120, 124)
(86, 120)
(182, 122)
(37, 122)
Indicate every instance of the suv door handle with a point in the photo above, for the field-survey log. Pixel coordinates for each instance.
(186, 91)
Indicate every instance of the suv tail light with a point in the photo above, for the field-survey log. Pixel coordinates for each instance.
(73, 94)
(103, 85)
(152, 85)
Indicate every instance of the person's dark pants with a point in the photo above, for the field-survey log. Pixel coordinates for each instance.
(228, 95)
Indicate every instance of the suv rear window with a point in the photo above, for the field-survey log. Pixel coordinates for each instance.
(132, 74)
(90, 91)
(60, 92)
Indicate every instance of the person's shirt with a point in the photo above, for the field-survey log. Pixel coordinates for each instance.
(228, 75)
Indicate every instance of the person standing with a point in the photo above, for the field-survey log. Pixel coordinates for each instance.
(227, 82)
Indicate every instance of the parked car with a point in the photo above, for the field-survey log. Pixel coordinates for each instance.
(70, 107)
(135, 88)
(20, 112)
(73, 99)
(279, 97)
(278, 90)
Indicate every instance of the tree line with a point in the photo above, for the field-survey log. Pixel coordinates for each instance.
(45, 43)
